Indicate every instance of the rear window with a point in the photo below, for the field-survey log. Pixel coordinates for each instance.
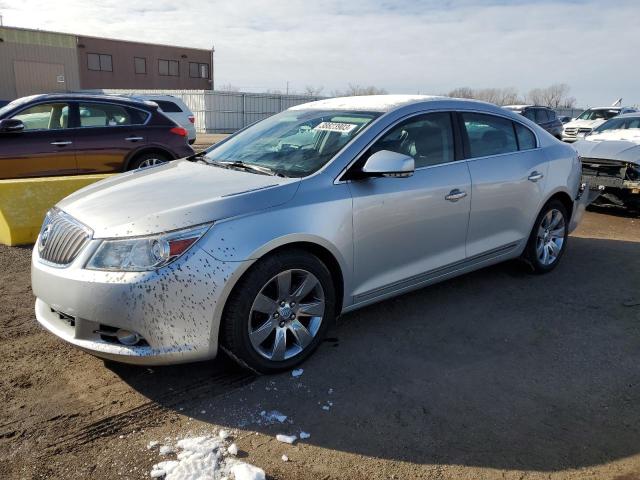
(167, 106)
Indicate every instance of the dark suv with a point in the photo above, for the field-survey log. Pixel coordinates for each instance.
(70, 134)
(543, 116)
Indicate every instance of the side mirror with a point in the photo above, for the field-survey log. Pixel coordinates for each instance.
(11, 125)
(389, 164)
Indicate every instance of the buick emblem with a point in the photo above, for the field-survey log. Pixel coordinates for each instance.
(44, 236)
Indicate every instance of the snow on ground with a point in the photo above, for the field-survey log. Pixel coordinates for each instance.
(205, 457)
(272, 416)
(286, 438)
(304, 435)
(297, 373)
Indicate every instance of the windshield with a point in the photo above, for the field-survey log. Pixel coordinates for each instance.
(14, 104)
(600, 114)
(294, 143)
(619, 123)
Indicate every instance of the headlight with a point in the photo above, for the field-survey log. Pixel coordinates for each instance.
(145, 253)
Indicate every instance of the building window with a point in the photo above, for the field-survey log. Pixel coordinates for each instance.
(140, 64)
(99, 62)
(169, 68)
(198, 70)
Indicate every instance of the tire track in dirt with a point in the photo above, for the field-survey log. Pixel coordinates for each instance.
(149, 414)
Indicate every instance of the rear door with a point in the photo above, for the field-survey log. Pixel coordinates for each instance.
(44, 148)
(508, 174)
(407, 227)
(106, 134)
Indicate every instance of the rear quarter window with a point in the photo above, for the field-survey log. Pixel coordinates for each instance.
(167, 106)
(526, 138)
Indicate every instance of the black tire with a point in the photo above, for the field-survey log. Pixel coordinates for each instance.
(146, 157)
(531, 253)
(238, 313)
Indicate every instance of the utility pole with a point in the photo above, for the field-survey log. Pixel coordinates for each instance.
(287, 87)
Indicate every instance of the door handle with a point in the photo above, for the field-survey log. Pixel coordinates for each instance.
(455, 195)
(535, 176)
(61, 144)
(134, 139)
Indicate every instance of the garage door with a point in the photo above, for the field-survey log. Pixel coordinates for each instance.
(38, 77)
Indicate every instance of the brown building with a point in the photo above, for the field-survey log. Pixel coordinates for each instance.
(34, 61)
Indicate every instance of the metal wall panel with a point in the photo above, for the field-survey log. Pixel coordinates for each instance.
(35, 48)
(226, 112)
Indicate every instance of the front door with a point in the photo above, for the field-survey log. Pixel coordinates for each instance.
(44, 148)
(107, 133)
(407, 227)
(508, 175)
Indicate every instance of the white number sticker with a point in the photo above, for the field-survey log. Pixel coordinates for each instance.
(335, 127)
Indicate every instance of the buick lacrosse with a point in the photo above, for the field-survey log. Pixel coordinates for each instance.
(256, 245)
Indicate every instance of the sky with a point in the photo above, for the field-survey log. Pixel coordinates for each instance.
(405, 46)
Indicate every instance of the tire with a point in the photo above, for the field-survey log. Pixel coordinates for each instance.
(147, 160)
(548, 239)
(255, 320)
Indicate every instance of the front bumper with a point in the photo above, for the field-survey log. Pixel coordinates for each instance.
(176, 309)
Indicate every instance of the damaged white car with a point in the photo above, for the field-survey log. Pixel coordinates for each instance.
(611, 160)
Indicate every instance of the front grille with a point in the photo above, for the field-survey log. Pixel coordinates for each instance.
(62, 238)
(571, 131)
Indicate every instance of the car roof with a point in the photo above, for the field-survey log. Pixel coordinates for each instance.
(88, 96)
(628, 115)
(386, 103)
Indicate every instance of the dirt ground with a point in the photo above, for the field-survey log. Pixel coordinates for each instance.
(495, 375)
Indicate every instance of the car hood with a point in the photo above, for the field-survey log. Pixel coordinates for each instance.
(175, 195)
(584, 123)
(597, 147)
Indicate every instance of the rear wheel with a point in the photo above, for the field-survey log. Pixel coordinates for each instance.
(147, 160)
(279, 312)
(548, 239)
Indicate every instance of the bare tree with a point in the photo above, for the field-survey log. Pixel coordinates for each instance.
(312, 90)
(499, 96)
(554, 96)
(355, 89)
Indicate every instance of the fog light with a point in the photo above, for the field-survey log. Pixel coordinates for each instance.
(126, 337)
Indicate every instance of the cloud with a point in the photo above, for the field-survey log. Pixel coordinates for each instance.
(430, 46)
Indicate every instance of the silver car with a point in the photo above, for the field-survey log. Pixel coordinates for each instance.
(257, 245)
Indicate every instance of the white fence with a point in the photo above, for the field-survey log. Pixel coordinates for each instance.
(226, 112)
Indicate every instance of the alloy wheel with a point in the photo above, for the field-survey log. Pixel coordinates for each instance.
(149, 162)
(550, 237)
(286, 315)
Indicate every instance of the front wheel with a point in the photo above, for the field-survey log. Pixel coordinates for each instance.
(147, 160)
(279, 312)
(548, 239)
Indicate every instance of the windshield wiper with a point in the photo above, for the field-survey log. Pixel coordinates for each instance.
(246, 166)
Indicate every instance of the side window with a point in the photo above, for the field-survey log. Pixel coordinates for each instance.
(108, 115)
(530, 114)
(489, 135)
(427, 138)
(552, 115)
(526, 138)
(48, 116)
(541, 115)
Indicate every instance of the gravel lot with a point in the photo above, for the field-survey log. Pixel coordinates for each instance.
(497, 374)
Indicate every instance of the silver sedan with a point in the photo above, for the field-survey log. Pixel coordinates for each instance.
(257, 245)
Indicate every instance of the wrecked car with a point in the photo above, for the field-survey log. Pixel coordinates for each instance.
(611, 160)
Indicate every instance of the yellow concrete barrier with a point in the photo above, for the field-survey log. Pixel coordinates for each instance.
(24, 202)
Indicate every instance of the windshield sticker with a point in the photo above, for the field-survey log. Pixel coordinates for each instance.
(335, 127)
